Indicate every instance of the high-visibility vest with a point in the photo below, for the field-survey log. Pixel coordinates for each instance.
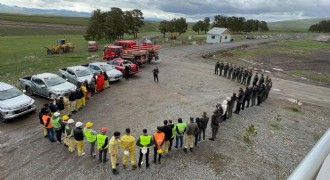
(181, 127)
(45, 119)
(68, 130)
(173, 131)
(145, 140)
(90, 136)
(56, 122)
(101, 141)
(159, 138)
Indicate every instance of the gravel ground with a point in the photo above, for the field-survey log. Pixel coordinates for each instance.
(187, 87)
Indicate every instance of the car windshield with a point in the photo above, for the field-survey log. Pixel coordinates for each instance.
(106, 67)
(9, 93)
(54, 81)
(83, 72)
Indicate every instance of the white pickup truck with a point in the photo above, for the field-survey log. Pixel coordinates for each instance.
(112, 72)
(76, 74)
(13, 102)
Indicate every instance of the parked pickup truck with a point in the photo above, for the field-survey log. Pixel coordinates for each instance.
(76, 74)
(13, 102)
(120, 65)
(47, 85)
(112, 72)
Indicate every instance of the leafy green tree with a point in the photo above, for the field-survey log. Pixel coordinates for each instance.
(263, 26)
(322, 26)
(205, 25)
(164, 27)
(115, 24)
(197, 27)
(134, 21)
(179, 25)
(95, 28)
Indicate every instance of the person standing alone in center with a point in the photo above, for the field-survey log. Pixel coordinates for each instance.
(155, 71)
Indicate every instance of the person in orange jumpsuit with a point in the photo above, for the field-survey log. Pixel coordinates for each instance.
(99, 82)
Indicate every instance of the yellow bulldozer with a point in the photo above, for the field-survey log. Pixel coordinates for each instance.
(62, 46)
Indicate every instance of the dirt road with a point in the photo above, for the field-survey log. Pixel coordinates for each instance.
(187, 87)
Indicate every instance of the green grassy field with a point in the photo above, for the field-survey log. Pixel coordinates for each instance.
(298, 25)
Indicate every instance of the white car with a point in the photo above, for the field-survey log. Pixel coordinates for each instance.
(76, 74)
(113, 73)
(13, 102)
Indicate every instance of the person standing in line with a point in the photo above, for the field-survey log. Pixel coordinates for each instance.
(249, 78)
(90, 135)
(106, 81)
(127, 72)
(42, 112)
(225, 70)
(56, 121)
(259, 95)
(230, 71)
(224, 106)
(167, 130)
(255, 79)
(180, 129)
(216, 68)
(127, 143)
(144, 142)
(254, 95)
(199, 133)
(114, 150)
(204, 120)
(261, 80)
(79, 96)
(52, 106)
(159, 139)
(73, 102)
(192, 130)
(86, 84)
(173, 134)
(84, 93)
(92, 87)
(233, 77)
(246, 97)
(240, 99)
(102, 145)
(155, 72)
(79, 137)
(221, 68)
(66, 102)
(48, 125)
(215, 124)
(65, 119)
(230, 106)
(60, 105)
(69, 135)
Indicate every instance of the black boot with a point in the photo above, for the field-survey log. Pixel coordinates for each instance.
(114, 171)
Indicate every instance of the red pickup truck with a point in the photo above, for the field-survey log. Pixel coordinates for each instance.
(120, 65)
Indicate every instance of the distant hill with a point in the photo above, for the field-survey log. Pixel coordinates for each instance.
(297, 25)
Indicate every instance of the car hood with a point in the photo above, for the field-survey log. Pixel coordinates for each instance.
(114, 72)
(84, 78)
(64, 87)
(21, 100)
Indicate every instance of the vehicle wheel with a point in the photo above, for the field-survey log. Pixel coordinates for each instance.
(29, 91)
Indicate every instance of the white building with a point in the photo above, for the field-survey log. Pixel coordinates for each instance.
(218, 35)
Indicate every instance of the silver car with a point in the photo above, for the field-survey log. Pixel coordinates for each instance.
(112, 73)
(13, 102)
(46, 84)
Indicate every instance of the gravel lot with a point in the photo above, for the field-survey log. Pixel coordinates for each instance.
(187, 87)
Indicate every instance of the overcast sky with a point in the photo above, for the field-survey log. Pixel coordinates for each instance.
(194, 10)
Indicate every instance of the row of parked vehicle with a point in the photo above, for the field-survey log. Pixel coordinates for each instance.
(14, 102)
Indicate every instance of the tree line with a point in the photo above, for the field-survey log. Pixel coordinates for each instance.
(234, 24)
(322, 26)
(114, 24)
(173, 26)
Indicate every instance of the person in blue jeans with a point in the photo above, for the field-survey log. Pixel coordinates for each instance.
(199, 134)
(180, 128)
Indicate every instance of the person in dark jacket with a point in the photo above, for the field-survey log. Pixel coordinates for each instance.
(261, 80)
(204, 120)
(215, 124)
(172, 126)
(247, 95)
(127, 72)
(79, 97)
(225, 70)
(230, 106)
(233, 77)
(92, 86)
(249, 78)
(79, 137)
(167, 130)
(261, 91)
(230, 71)
(221, 66)
(240, 99)
(199, 133)
(155, 72)
(73, 102)
(60, 104)
(254, 95)
(216, 68)
(52, 106)
(255, 79)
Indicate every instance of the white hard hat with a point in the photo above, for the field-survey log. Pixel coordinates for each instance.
(79, 124)
(70, 121)
(57, 114)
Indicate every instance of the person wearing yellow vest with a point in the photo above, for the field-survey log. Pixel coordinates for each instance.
(144, 142)
(84, 90)
(65, 119)
(79, 137)
(102, 145)
(69, 135)
(180, 129)
(113, 151)
(127, 143)
(173, 134)
(48, 125)
(56, 121)
(159, 139)
(90, 135)
(66, 102)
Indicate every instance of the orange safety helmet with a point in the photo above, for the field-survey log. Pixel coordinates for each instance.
(103, 129)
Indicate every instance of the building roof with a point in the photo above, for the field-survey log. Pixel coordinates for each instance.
(217, 31)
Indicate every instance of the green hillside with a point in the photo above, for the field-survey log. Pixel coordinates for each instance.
(298, 25)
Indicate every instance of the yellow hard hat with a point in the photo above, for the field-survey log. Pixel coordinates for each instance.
(65, 118)
(159, 151)
(89, 124)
